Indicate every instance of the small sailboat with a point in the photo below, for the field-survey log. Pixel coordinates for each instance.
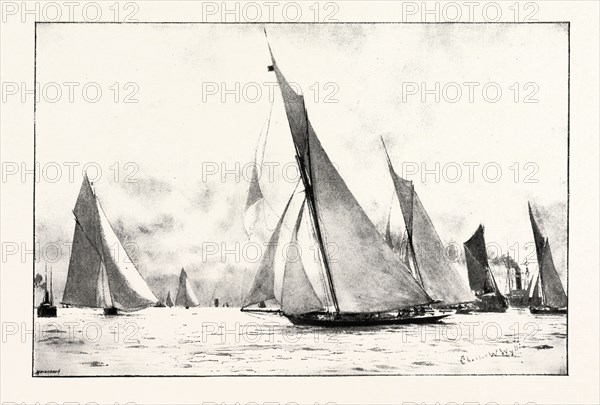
(548, 295)
(481, 278)
(185, 294)
(47, 309)
(365, 282)
(169, 301)
(423, 251)
(101, 274)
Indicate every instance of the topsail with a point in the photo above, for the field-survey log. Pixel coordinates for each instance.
(101, 274)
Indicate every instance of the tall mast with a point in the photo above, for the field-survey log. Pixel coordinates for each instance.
(305, 173)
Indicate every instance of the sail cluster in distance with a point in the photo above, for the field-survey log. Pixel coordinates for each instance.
(369, 274)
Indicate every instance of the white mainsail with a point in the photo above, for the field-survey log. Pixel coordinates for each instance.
(101, 273)
(435, 272)
(360, 268)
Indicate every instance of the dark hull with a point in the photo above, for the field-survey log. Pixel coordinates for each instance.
(46, 311)
(344, 321)
(111, 311)
(518, 299)
(547, 310)
(491, 303)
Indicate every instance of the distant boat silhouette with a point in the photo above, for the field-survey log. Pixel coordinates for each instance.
(169, 301)
(101, 273)
(185, 294)
(424, 253)
(481, 278)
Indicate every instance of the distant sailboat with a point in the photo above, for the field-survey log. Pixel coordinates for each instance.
(481, 278)
(185, 295)
(169, 301)
(548, 296)
(361, 284)
(423, 251)
(101, 273)
(47, 309)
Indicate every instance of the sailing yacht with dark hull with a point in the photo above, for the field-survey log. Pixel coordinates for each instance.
(365, 283)
(548, 295)
(481, 278)
(423, 252)
(101, 274)
(47, 309)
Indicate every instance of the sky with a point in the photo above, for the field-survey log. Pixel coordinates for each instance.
(174, 164)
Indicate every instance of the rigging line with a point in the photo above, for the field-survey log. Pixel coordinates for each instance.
(316, 223)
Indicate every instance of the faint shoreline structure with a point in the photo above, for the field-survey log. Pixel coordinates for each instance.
(481, 277)
(365, 283)
(96, 277)
(185, 294)
(548, 295)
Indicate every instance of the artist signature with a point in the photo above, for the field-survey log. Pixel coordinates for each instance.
(40, 372)
(508, 352)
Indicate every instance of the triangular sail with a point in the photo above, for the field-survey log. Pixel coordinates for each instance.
(101, 274)
(438, 275)
(263, 285)
(255, 220)
(169, 301)
(535, 298)
(553, 291)
(480, 275)
(185, 294)
(84, 264)
(128, 289)
(362, 269)
(298, 295)
(538, 238)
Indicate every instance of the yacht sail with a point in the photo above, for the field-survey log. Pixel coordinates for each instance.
(481, 278)
(263, 285)
(362, 275)
(553, 298)
(435, 273)
(101, 274)
(185, 294)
